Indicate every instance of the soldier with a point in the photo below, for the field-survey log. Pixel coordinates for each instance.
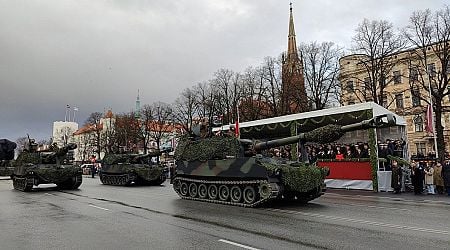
(396, 177)
(93, 160)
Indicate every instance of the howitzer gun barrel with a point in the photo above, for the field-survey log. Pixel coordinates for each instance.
(328, 133)
(149, 155)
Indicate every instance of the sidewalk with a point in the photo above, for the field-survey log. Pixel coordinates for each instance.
(407, 196)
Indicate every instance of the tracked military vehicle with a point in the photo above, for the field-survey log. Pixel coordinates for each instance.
(126, 169)
(231, 171)
(33, 167)
(6, 156)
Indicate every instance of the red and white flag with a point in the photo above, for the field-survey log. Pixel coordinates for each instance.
(429, 120)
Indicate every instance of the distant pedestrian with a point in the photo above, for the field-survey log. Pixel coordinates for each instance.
(396, 178)
(429, 171)
(446, 176)
(93, 169)
(417, 177)
(438, 180)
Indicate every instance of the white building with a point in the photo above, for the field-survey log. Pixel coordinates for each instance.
(63, 132)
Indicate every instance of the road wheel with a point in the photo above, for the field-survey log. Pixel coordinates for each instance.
(212, 192)
(184, 189)
(193, 190)
(202, 191)
(249, 194)
(177, 184)
(236, 194)
(224, 193)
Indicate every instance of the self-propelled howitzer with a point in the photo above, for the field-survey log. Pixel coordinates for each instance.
(231, 171)
(33, 167)
(125, 169)
(7, 148)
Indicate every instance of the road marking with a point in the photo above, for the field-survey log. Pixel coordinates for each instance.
(364, 222)
(49, 194)
(99, 207)
(237, 244)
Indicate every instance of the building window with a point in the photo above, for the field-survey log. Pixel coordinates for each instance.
(366, 84)
(418, 124)
(415, 95)
(385, 101)
(413, 74)
(350, 86)
(397, 77)
(421, 148)
(431, 69)
(399, 101)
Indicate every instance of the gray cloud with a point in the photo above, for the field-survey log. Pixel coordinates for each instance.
(96, 54)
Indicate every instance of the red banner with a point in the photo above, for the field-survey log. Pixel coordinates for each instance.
(348, 170)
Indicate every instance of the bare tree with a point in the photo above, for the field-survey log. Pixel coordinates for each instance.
(321, 70)
(429, 62)
(185, 109)
(375, 43)
(270, 76)
(94, 123)
(128, 130)
(162, 119)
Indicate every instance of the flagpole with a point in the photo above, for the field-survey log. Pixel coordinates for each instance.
(432, 119)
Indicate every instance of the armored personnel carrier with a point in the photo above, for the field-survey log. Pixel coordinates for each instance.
(6, 156)
(33, 167)
(125, 169)
(231, 171)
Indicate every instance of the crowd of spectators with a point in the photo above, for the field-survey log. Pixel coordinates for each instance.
(337, 151)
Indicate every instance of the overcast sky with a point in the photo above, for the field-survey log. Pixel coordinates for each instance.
(96, 54)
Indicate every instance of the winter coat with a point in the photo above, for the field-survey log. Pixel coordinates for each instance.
(438, 180)
(446, 174)
(429, 176)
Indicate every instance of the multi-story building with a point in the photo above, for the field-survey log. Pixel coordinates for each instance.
(63, 132)
(404, 92)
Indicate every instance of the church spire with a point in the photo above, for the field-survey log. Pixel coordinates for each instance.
(292, 44)
(138, 107)
(293, 96)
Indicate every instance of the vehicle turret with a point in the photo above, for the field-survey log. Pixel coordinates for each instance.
(7, 148)
(58, 154)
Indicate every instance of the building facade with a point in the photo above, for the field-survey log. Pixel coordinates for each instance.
(63, 132)
(404, 94)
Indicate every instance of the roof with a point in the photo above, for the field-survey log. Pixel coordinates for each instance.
(309, 120)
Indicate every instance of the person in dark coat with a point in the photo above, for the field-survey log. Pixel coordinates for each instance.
(396, 178)
(446, 176)
(417, 175)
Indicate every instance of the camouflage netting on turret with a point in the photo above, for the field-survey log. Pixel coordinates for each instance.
(27, 157)
(327, 134)
(300, 178)
(207, 149)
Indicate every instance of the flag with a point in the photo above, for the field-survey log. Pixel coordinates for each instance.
(429, 120)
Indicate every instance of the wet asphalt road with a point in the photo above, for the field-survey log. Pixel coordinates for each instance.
(107, 217)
